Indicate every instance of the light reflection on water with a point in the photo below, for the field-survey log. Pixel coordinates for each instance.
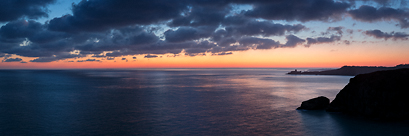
(174, 102)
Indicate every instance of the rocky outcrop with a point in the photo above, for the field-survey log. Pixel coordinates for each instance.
(319, 103)
(381, 94)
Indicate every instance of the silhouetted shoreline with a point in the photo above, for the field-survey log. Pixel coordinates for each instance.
(379, 95)
(349, 70)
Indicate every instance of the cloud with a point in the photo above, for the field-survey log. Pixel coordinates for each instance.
(12, 60)
(219, 35)
(4, 55)
(20, 29)
(384, 35)
(347, 42)
(97, 55)
(29, 52)
(44, 43)
(188, 33)
(223, 53)
(369, 14)
(101, 15)
(195, 51)
(264, 28)
(44, 59)
(89, 60)
(246, 43)
(259, 43)
(200, 16)
(199, 48)
(227, 41)
(15, 9)
(350, 31)
(164, 47)
(299, 10)
(384, 2)
(117, 39)
(150, 56)
(235, 20)
(293, 41)
(320, 40)
(336, 29)
(61, 56)
(127, 35)
(31, 39)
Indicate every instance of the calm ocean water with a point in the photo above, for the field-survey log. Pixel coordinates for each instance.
(175, 102)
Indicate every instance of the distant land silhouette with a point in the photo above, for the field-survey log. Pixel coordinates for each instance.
(349, 70)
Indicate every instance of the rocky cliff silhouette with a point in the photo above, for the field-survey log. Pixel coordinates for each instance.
(382, 94)
(349, 70)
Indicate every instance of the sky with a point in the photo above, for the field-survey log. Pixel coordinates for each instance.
(77, 34)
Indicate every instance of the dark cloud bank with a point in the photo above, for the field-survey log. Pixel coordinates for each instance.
(383, 35)
(193, 27)
(11, 10)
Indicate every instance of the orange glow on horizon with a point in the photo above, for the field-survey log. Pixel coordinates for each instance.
(317, 56)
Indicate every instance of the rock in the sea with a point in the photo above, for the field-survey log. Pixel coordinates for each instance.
(319, 103)
(381, 95)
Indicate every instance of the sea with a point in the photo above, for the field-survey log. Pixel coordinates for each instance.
(168, 102)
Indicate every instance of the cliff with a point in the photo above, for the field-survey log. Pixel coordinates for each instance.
(382, 94)
(349, 70)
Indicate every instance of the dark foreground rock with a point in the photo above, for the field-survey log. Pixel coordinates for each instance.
(319, 103)
(381, 95)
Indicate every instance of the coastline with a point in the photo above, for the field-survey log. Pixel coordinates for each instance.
(349, 70)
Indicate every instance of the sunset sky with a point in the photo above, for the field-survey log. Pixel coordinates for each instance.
(64, 34)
